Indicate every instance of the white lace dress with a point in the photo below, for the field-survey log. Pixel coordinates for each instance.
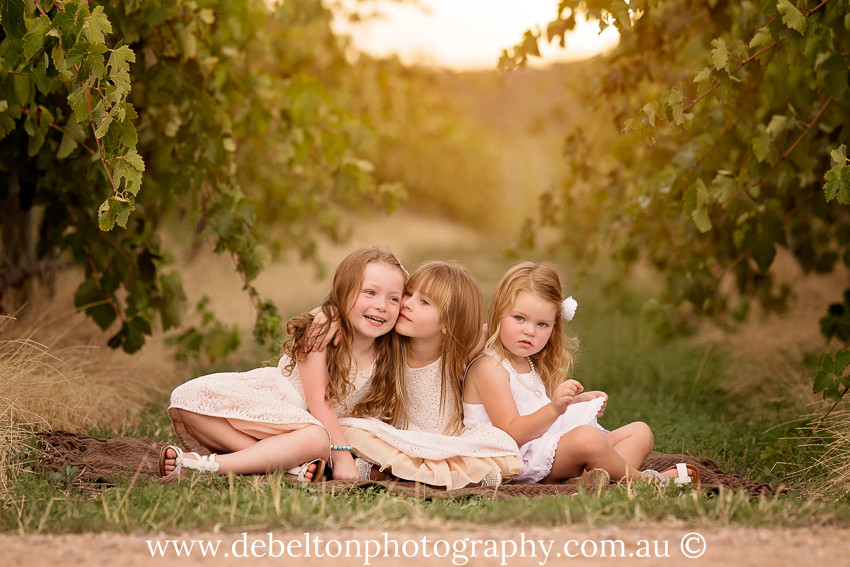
(422, 451)
(537, 454)
(261, 402)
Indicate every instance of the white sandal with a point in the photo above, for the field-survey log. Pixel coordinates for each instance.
(364, 468)
(685, 474)
(201, 463)
(491, 480)
(300, 472)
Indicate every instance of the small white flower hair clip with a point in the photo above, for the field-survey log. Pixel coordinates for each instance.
(568, 308)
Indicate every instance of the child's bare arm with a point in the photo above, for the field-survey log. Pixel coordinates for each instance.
(314, 378)
(489, 384)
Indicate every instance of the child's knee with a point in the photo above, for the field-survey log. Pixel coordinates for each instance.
(317, 435)
(643, 431)
(586, 438)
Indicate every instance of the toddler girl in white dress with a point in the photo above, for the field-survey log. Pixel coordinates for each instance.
(518, 385)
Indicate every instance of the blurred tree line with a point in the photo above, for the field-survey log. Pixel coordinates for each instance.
(239, 122)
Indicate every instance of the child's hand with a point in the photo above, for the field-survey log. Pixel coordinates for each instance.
(564, 395)
(592, 395)
(317, 335)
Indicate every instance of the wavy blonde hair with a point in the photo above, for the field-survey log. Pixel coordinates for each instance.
(555, 359)
(347, 281)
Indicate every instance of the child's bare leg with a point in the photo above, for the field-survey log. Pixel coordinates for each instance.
(215, 433)
(633, 442)
(585, 448)
(279, 452)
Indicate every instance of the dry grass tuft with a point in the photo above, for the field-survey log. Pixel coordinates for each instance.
(826, 475)
(56, 372)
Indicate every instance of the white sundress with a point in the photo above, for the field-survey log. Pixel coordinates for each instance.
(538, 454)
(422, 451)
(261, 402)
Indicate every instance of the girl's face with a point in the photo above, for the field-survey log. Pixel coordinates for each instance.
(419, 317)
(375, 308)
(526, 326)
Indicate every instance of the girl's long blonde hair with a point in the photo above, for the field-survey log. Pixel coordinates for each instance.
(347, 281)
(554, 360)
(454, 291)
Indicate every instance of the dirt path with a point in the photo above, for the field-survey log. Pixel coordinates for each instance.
(646, 546)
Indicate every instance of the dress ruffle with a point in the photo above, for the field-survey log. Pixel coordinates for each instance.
(433, 459)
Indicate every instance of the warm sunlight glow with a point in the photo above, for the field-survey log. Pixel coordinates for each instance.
(469, 34)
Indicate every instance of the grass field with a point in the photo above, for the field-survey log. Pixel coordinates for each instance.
(735, 397)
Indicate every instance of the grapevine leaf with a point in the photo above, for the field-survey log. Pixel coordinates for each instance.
(129, 167)
(12, 18)
(695, 205)
(837, 184)
(97, 26)
(761, 39)
(79, 103)
(115, 210)
(761, 143)
(792, 17)
(720, 54)
(778, 125)
(90, 296)
(73, 135)
(703, 76)
(34, 39)
(622, 18)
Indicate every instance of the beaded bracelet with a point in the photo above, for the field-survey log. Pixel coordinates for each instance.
(348, 448)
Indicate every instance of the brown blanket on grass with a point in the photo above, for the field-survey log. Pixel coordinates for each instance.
(99, 460)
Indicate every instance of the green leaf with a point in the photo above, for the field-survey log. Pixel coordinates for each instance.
(761, 143)
(97, 26)
(58, 57)
(761, 39)
(90, 296)
(778, 125)
(34, 39)
(73, 135)
(173, 301)
(837, 184)
(188, 41)
(720, 54)
(837, 179)
(696, 205)
(836, 77)
(622, 19)
(723, 186)
(675, 103)
(12, 18)
(78, 100)
(115, 210)
(792, 17)
(129, 168)
(703, 76)
(838, 156)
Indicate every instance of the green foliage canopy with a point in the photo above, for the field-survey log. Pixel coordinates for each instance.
(117, 115)
(736, 116)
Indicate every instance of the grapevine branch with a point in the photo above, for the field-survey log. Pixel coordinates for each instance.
(832, 407)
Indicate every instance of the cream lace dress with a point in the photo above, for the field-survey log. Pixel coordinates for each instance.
(537, 454)
(422, 451)
(261, 402)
